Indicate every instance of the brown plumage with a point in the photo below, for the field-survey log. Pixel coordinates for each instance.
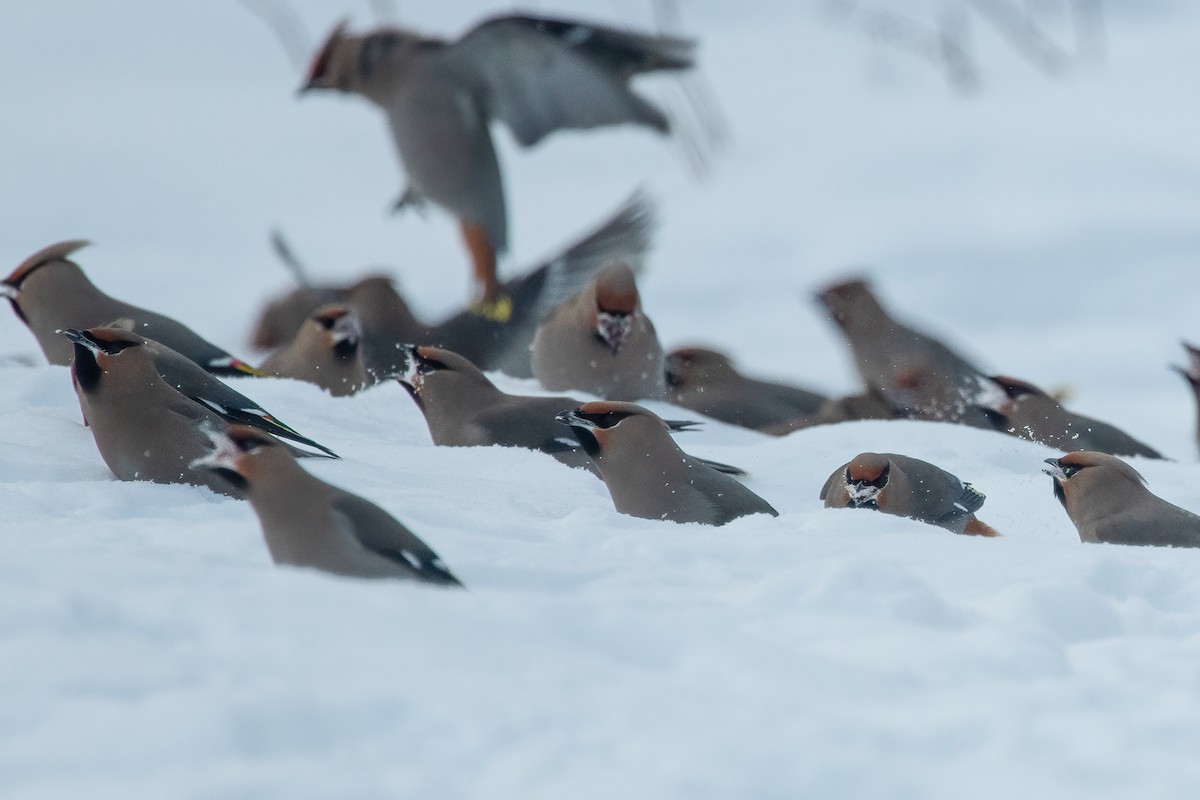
(1032, 414)
(327, 351)
(389, 322)
(647, 474)
(1107, 501)
(707, 382)
(600, 341)
(913, 370)
(906, 487)
(307, 522)
(144, 428)
(535, 74)
(50, 293)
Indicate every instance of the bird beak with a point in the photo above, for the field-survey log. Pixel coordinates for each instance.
(573, 419)
(613, 328)
(410, 375)
(82, 338)
(1054, 470)
(346, 329)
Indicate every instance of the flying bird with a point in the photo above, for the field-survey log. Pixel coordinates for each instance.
(535, 74)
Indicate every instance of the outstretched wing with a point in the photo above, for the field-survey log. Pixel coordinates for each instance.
(541, 74)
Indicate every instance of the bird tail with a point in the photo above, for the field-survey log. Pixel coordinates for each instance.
(977, 528)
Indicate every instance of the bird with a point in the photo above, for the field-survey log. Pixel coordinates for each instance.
(1191, 374)
(535, 74)
(707, 382)
(191, 380)
(600, 341)
(1107, 501)
(307, 522)
(647, 474)
(327, 351)
(389, 322)
(1031, 414)
(144, 428)
(906, 487)
(912, 370)
(463, 408)
(870, 404)
(50, 293)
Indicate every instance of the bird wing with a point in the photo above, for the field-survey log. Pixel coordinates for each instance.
(539, 74)
(967, 503)
(380, 533)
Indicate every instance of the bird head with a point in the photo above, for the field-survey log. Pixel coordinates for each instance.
(236, 453)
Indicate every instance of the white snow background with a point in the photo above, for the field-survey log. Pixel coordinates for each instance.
(1047, 228)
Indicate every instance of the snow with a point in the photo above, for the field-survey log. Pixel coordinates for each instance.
(148, 648)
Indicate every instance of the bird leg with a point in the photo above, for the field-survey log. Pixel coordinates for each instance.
(490, 302)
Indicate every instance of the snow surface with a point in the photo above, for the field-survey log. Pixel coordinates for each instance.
(1045, 227)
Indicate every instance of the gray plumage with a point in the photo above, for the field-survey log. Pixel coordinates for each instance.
(647, 474)
(326, 351)
(535, 74)
(913, 371)
(871, 404)
(600, 341)
(191, 380)
(307, 522)
(1031, 414)
(388, 321)
(144, 428)
(707, 382)
(463, 408)
(51, 293)
(1107, 501)
(906, 487)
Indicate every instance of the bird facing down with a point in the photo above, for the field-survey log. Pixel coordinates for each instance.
(906, 487)
(190, 380)
(307, 522)
(144, 428)
(1029, 413)
(463, 408)
(647, 474)
(50, 293)
(388, 322)
(536, 74)
(1107, 501)
(914, 371)
(327, 351)
(600, 341)
(706, 381)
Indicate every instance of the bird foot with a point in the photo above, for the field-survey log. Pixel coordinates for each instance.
(496, 309)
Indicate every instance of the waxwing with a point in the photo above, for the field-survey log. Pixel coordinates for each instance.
(50, 293)
(535, 74)
(388, 321)
(906, 487)
(600, 341)
(1029, 413)
(1107, 501)
(326, 351)
(914, 371)
(144, 428)
(463, 408)
(647, 474)
(707, 382)
(307, 522)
